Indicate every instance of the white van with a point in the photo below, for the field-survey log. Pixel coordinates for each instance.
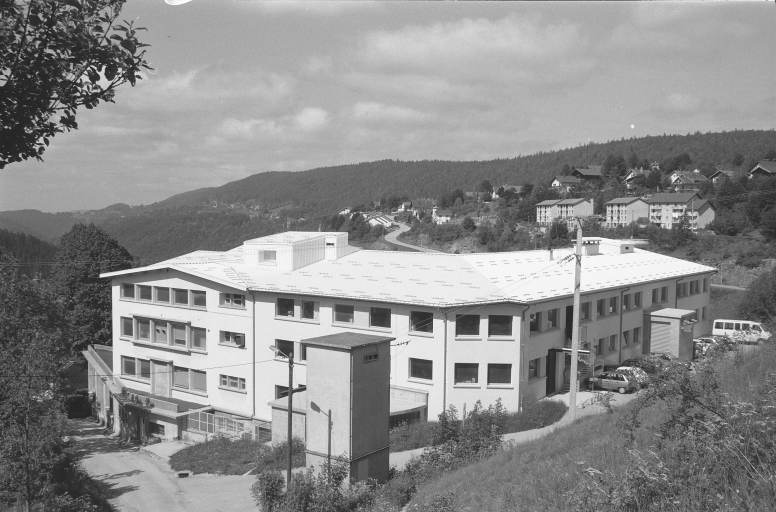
(744, 331)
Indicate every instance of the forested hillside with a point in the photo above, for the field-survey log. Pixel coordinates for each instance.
(32, 256)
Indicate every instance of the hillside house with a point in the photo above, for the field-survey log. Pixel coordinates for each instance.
(763, 168)
(376, 219)
(589, 174)
(191, 334)
(439, 216)
(688, 181)
(622, 211)
(501, 191)
(565, 184)
(720, 176)
(635, 178)
(563, 209)
(666, 210)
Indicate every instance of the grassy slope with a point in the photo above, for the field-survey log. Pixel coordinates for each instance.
(544, 474)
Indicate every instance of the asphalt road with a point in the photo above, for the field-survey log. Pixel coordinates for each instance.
(136, 480)
(391, 238)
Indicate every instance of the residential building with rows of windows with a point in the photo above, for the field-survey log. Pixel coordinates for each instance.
(667, 210)
(192, 334)
(623, 211)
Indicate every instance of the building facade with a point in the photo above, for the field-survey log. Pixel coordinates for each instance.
(562, 209)
(192, 334)
(667, 210)
(622, 211)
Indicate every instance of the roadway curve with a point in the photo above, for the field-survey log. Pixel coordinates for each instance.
(392, 238)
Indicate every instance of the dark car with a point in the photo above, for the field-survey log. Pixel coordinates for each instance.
(615, 381)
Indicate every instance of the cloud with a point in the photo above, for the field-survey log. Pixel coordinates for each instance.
(311, 7)
(473, 44)
(377, 112)
(311, 118)
(682, 102)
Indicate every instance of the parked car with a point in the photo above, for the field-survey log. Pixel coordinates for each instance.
(614, 381)
(634, 372)
(744, 331)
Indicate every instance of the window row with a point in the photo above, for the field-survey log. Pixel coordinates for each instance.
(544, 320)
(463, 373)
(693, 287)
(609, 344)
(231, 383)
(186, 378)
(163, 332)
(136, 367)
(469, 325)
(660, 295)
(164, 295)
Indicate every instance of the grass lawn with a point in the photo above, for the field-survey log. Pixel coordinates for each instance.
(235, 457)
(540, 414)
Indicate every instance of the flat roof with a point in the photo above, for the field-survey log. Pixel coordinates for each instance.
(673, 313)
(435, 279)
(347, 340)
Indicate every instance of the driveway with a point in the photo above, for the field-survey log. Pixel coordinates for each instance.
(391, 238)
(138, 480)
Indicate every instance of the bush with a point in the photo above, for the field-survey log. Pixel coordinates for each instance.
(235, 456)
(276, 456)
(77, 405)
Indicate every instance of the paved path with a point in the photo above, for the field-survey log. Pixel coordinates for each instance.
(139, 480)
(391, 238)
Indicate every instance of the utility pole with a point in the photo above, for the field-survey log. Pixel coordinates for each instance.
(290, 418)
(575, 325)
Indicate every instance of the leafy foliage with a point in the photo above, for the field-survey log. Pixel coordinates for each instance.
(86, 252)
(56, 57)
(236, 456)
(759, 303)
(31, 255)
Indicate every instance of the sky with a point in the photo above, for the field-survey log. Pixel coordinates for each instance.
(241, 87)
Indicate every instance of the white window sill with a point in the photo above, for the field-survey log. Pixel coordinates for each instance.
(190, 391)
(168, 304)
(226, 306)
(379, 328)
(422, 334)
(469, 385)
(161, 346)
(136, 379)
(231, 345)
(501, 338)
(468, 337)
(241, 391)
(500, 386)
(299, 320)
(417, 380)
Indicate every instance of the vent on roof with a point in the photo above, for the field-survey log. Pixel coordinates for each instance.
(626, 248)
(591, 247)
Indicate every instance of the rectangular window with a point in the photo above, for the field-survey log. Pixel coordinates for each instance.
(309, 310)
(127, 327)
(420, 321)
(534, 368)
(268, 257)
(612, 342)
(626, 302)
(145, 369)
(232, 339)
(198, 338)
(467, 325)
(128, 291)
(421, 369)
(499, 374)
(160, 332)
(466, 373)
(599, 348)
(198, 298)
(637, 300)
(162, 294)
(626, 338)
(636, 335)
(127, 365)
(178, 335)
(585, 312)
(144, 292)
(198, 380)
(552, 318)
(284, 307)
(232, 383)
(655, 295)
(535, 324)
(343, 313)
(499, 325)
(233, 300)
(703, 313)
(180, 296)
(371, 357)
(600, 308)
(664, 294)
(180, 377)
(705, 284)
(380, 317)
(143, 329)
(284, 348)
(612, 305)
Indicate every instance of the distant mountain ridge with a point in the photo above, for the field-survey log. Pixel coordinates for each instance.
(220, 217)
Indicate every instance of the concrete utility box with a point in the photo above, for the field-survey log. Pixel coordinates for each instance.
(671, 331)
(348, 381)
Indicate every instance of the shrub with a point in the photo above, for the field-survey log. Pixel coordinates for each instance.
(276, 456)
(235, 456)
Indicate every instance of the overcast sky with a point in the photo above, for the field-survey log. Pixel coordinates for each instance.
(241, 87)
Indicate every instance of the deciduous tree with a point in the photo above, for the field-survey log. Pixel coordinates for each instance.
(55, 57)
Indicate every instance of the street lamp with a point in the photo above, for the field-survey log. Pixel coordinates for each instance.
(290, 358)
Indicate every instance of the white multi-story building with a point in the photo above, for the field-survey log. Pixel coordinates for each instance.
(191, 334)
(623, 211)
(563, 209)
(668, 209)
